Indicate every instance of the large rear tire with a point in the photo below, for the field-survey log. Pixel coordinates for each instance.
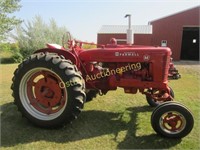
(48, 90)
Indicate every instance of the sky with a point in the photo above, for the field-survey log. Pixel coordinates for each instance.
(84, 18)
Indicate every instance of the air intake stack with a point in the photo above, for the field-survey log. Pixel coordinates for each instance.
(129, 33)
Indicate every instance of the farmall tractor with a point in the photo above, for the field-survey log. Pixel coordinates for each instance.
(51, 86)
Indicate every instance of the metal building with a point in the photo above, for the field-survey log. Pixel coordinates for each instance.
(178, 31)
(142, 34)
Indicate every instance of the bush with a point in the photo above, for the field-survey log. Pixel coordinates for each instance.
(17, 57)
(9, 53)
(6, 57)
(36, 33)
(4, 47)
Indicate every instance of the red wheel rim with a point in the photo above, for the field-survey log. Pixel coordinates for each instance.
(172, 122)
(46, 92)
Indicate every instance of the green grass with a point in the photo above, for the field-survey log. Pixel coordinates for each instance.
(113, 121)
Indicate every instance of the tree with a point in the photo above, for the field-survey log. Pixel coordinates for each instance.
(36, 33)
(8, 22)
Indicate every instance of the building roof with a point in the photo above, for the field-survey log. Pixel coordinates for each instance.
(122, 29)
(177, 13)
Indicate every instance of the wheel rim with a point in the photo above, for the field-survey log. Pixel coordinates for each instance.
(43, 94)
(172, 122)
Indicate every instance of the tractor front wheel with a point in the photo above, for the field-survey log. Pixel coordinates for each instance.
(48, 90)
(153, 99)
(172, 120)
(90, 94)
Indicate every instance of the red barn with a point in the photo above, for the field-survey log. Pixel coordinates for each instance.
(178, 31)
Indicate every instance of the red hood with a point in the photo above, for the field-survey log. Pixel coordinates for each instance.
(124, 54)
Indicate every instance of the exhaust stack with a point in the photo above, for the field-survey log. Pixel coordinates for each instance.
(129, 32)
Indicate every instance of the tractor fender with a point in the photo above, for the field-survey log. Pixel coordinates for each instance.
(67, 54)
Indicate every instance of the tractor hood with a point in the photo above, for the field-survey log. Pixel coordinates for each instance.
(130, 54)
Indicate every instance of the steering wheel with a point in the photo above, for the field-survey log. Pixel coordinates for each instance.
(67, 41)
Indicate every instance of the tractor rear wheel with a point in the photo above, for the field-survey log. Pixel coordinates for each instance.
(48, 90)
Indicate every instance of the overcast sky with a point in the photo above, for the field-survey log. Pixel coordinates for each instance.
(83, 18)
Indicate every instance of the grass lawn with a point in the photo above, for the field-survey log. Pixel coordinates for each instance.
(112, 121)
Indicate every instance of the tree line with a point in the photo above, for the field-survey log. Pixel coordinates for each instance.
(26, 36)
(21, 38)
(32, 35)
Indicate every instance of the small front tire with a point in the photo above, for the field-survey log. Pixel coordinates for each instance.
(172, 120)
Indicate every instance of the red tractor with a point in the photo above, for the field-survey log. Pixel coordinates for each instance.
(51, 86)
